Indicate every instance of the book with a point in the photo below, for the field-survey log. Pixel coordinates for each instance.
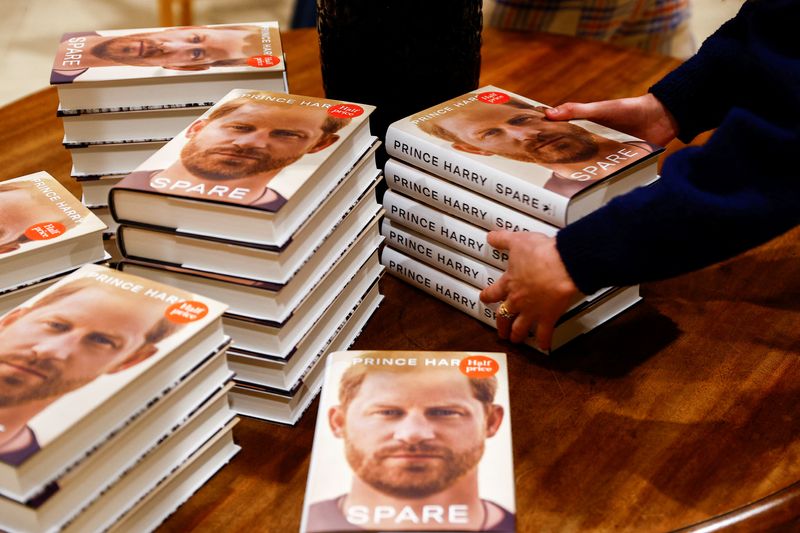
(262, 300)
(120, 342)
(103, 212)
(156, 67)
(44, 230)
(251, 397)
(95, 160)
(155, 469)
(499, 144)
(579, 319)
(263, 263)
(458, 201)
(281, 339)
(476, 273)
(174, 489)
(444, 228)
(136, 125)
(412, 439)
(253, 168)
(85, 483)
(95, 189)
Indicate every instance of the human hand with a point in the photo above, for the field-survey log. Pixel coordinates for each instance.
(536, 286)
(642, 116)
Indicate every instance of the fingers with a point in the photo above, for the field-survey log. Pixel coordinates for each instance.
(544, 334)
(500, 240)
(494, 292)
(569, 111)
(521, 328)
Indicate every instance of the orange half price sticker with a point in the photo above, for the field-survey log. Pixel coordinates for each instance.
(184, 312)
(494, 97)
(346, 111)
(479, 366)
(45, 230)
(263, 61)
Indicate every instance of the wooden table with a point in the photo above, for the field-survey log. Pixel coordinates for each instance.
(679, 411)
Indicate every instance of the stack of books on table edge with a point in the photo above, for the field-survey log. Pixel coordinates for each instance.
(292, 250)
(474, 172)
(45, 233)
(138, 398)
(125, 93)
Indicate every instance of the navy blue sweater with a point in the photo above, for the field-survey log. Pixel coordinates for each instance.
(715, 201)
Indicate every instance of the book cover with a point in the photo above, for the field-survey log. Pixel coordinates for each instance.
(253, 149)
(412, 441)
(108, 55)
(500, 144)
(79, 343)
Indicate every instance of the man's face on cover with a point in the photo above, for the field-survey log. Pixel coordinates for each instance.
(411, 435)
(251, 139)
(517, 133)
(19, 211)
(60, 346)
(181, 47)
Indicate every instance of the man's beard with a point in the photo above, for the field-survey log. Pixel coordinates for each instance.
(415, 480)
(16, 390)
(211, 165)
(571, 145)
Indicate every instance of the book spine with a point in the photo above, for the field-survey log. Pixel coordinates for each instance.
(443, 228)
(474, 272)
(459, 201)
(460, 295)
(477, 176)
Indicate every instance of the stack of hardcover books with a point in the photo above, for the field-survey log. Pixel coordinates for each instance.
(412, 441)
(490, 160)
(45, 233)
(267, 203)
(125, 93)
(114, 400)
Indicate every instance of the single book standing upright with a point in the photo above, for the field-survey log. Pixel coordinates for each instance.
(412, 440)
(500, 144)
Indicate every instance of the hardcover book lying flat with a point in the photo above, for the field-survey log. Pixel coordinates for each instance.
(84, 485)
(412, 440)
(87, 356)
(261, 300)
(500, 144)
(579, 319)
(250, 261)
(251, 398)
(44, 230)
(94, 160)
(96, 188)
(253, 168)
(173, 490)
(197, 65)
(140, 125)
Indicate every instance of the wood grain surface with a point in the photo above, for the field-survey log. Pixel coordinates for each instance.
(682, 412)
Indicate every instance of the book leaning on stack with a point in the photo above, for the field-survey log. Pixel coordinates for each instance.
(490, 160)
(113, 385)
(125, 93)
(45, 233)
(267, 203)
(412, 441)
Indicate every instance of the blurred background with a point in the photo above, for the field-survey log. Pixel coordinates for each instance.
(30, 29)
